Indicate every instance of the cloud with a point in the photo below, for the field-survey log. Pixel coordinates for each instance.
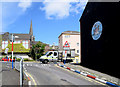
(56, 9)
(61, 9)
(24, 4)
(10, 13)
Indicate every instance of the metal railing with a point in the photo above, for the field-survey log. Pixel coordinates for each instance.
(19, 67)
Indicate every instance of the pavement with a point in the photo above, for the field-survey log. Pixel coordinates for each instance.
(51, 74)
(95, 73)
(0, 74)
(9, 76)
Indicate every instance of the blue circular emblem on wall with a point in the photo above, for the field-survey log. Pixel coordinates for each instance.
(96, 30)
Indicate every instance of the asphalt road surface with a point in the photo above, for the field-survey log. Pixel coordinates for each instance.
(50, 74)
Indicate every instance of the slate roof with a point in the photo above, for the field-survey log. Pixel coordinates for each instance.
(5, 36)
(22, 36)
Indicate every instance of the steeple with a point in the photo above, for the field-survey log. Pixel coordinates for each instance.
(31, 30)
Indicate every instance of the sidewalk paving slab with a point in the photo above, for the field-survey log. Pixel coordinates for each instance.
(93, 73)
(10, 77)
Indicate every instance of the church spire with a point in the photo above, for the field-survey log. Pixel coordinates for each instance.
(31, 30)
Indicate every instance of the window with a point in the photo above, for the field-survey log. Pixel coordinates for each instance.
(67, 36)
(77, 44)
(25, 43)
(55, 53)
(77, 51)
(4, 44)
(16, 42)
(49, 54)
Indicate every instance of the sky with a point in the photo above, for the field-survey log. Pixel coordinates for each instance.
(49, 17)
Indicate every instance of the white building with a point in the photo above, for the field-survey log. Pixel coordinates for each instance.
(73, 38)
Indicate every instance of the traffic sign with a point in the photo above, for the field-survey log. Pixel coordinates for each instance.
(66, 44)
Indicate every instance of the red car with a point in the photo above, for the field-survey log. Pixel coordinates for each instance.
(7, 59)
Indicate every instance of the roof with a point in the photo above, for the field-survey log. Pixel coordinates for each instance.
(22, 36)
(31, 30)
(5, 36)
(70, 32)
(35, 42)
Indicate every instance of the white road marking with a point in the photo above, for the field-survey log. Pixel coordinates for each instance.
(29, 83)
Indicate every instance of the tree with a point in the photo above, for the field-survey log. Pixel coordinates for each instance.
(37, 50)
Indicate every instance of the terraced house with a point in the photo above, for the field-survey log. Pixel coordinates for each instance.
(22, 43)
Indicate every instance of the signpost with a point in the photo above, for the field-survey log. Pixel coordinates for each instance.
(66, 47)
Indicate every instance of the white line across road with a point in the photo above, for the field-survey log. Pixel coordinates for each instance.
(38, 65)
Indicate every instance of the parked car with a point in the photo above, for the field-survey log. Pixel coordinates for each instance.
(7, 59)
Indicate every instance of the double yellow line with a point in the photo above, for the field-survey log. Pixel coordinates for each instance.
(32, 78)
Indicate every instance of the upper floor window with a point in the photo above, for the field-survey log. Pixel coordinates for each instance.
(77, 44)
(16, 42)
(59, 41)
(67, 36)
(25, 43)
(4, 44)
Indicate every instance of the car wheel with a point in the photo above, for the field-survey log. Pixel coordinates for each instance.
(45, 61)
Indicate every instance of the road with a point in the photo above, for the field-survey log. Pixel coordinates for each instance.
(50, 74)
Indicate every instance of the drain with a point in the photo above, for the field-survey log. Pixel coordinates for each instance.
(63, 80)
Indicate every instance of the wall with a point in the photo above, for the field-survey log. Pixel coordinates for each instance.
(60, 42)
(102, 54)
(73, 40)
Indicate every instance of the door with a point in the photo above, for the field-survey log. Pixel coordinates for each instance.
(55, 56)
(50, 56)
